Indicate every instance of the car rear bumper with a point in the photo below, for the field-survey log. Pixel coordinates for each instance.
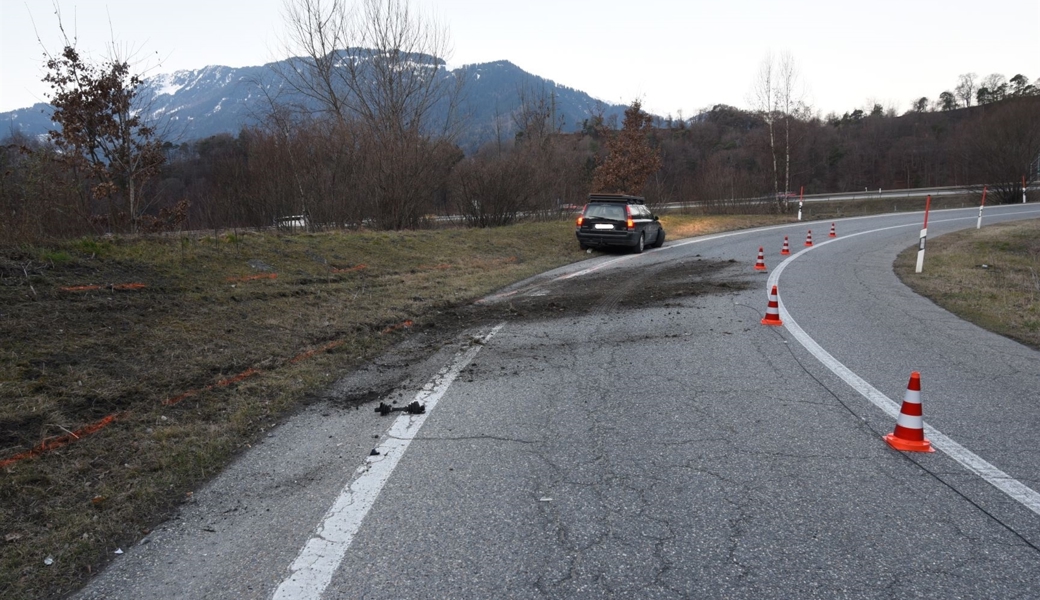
(627, 238)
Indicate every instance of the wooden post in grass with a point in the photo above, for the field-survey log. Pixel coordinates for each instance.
(978, 224)
(924, 235)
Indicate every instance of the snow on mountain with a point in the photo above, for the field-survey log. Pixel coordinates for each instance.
(194, 104)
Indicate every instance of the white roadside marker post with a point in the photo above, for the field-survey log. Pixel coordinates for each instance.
(978, 224)
(924, 235)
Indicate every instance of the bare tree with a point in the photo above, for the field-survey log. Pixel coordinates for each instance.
(965, 90)
(494, 188)
(993, 88)
(788, 100)
(102, 133)
(536, 116)
(776, 97)
(381, 65)
(763, 101)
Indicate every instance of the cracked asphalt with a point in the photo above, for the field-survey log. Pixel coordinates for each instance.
(634, 432)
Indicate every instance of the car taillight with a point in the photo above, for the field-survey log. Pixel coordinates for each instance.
(580, 219)
(630, 222)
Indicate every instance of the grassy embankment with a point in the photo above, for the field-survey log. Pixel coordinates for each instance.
(133, 370)
(989, 276)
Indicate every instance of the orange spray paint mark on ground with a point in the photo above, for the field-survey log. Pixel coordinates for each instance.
(114, 286)
(58, 442)
(250, 372)
(397, 327)
(64, 440)
(310, 353)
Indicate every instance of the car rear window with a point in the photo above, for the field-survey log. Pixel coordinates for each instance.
(606, 211)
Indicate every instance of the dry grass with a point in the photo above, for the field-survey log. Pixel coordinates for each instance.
(990, 277)
(855, 208)
(229, 334)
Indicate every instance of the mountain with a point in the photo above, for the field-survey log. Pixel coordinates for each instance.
(195, 104)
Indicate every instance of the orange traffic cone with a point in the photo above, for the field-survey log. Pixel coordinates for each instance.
(760, 264)
(833, 233)
(786, 249)
(808, 238)
(772, 310)
(909, 433)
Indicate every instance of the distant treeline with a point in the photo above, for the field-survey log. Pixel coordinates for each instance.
(340, 176)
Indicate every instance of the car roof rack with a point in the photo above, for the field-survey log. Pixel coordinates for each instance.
(617, 198)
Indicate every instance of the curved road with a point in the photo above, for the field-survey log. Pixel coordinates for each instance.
(629, 429)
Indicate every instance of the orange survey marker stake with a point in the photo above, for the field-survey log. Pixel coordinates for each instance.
(833, 232)
(773, 310)
(909, 433)
(786, 250)
(760, 264)
(808, 238)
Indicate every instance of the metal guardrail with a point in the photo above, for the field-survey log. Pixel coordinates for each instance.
(879, 194)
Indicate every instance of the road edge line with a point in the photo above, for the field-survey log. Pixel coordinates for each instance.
(312, 570)
(974, 463)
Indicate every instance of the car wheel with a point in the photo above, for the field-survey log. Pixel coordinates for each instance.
(583, 246)
(640, 244)
(660, 239)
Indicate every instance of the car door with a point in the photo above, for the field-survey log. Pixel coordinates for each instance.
(645, 223)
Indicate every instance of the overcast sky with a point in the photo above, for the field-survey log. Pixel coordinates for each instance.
(673, 55)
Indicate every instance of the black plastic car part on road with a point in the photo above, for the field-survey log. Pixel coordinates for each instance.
(618, 220)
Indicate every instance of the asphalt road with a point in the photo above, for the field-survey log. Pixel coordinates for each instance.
(629, 429)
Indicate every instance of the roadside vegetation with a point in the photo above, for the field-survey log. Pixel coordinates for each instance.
(988, 276)
(134, 369)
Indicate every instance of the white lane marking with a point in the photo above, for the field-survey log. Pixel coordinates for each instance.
(314, 567)
(969, 460)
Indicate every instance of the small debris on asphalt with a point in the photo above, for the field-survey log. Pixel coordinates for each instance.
(413, 409)
(374, 452)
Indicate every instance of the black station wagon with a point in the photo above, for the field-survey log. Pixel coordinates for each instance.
(618, 220)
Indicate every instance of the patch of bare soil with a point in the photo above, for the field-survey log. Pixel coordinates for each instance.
(614, 290)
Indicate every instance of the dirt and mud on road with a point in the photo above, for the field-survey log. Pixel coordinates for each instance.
(664, 284)
(667, 285)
